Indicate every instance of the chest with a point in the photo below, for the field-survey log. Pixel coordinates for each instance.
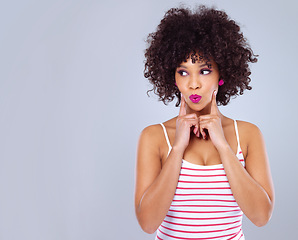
(203, 152)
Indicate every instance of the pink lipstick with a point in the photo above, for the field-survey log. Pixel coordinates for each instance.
(195, 98)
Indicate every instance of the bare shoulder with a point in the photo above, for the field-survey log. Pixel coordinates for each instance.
(252, 142)
(248, 130)
(150, 139)
(155, 132)
(152, 132)
(251, 138)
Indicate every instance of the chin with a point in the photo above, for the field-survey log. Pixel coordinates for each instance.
(198, 107)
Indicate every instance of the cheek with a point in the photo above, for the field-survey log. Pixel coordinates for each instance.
(212, 85)
(177, 78)
(180, 83)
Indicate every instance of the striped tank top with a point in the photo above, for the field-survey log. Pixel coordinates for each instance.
(203, 206)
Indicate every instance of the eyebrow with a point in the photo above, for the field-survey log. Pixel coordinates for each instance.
(203, 65)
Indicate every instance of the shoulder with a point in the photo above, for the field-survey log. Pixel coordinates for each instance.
(153, 139)
(152, 131)
(151, 136)
(151, 144)
(251, 138)
(156, 130)
(248, 129)
(250, 135)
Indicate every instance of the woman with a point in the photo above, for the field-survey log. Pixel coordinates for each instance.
(197, 173)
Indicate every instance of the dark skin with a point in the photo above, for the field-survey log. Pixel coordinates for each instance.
(199, 149)
(157, 174)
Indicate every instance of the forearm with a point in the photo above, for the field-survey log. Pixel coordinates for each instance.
(157, 199)
(250, 196)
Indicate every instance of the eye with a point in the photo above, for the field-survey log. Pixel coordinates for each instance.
(182, 73)
(205, 71)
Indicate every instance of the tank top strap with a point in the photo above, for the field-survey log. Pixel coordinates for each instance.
(167, 138)
(237, 135)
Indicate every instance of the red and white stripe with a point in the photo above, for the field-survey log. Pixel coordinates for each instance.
(203, 206)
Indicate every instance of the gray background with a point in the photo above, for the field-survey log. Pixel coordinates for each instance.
(73, 102)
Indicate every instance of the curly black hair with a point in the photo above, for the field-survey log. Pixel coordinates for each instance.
(181, 34)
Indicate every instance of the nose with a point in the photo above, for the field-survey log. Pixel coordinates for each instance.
(195, 82)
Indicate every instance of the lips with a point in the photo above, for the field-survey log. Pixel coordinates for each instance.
(195, 98)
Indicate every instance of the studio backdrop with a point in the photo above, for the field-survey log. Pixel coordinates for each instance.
(73, 102)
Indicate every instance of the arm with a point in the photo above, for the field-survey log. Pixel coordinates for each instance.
(251, 186)
(155, 186)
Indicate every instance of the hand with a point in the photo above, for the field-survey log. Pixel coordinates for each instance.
(184, 123)
(212, 123)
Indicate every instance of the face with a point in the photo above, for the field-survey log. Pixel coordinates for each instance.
(197, 82)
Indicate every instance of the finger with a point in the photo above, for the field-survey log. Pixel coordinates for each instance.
(182, 110)
(214, 108)
(191, 116)
(203, 132)
(204, 125)
(197, 131)
(188, 121)
(205, 117)
(192, 123)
